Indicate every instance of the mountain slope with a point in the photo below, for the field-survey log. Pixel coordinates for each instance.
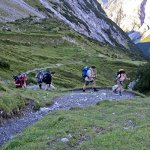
(10, 10)
(132, 16)
(85, 17)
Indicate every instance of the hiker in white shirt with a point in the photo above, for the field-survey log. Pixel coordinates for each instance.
(90, 78)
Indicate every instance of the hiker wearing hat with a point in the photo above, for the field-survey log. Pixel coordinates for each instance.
(120, 78)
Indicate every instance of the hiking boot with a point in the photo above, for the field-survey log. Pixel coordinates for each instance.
(40, 86)
(115, 92)
(120, 93)
(95, 90)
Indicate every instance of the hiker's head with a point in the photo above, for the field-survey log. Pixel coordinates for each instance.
(40, 70)
(121, 71)
(93, 67)
(47, 70)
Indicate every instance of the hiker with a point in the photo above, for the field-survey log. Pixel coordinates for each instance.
(47, 79)
(24, 80)
(121, 77)
(89, 78)
(39, 77)
(18, 80)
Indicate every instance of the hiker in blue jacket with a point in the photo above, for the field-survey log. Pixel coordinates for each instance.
(89, 78)
(39, 77)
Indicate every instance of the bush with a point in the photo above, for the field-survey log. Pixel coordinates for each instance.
(143, 75)
(4, 64)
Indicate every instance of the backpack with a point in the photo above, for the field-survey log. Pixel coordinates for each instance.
(116, 76)
(15, 77)
(46, 77)
(40, 76)
(84, 71)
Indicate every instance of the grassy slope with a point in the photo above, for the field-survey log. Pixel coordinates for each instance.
(109, 125)
(32, 45)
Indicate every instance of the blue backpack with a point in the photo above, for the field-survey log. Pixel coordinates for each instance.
(84, 71)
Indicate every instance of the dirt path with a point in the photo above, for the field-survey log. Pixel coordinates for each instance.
(77, 98)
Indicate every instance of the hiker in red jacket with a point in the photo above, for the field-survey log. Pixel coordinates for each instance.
(24, 80)
(18, 80)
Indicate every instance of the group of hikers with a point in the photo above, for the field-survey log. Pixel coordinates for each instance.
(42, 77)
(45, 78)
(88, 74)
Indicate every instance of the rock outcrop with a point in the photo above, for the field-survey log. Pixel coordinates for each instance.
(132, 16)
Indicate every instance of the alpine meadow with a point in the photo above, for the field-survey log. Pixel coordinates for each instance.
(63, 36)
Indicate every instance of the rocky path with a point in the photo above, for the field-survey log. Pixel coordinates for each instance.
(76, 98)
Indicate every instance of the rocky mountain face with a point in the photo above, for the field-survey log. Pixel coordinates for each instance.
(132, 16)
(11, 10)
(84, 16)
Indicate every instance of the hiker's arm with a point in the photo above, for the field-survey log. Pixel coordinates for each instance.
(127, 77)
(93, 76)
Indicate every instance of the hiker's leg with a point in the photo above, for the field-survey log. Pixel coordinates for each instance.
(52, 86)
(120, 89)
(119, 86)
(40, 85)
(116, 89)
(46, 86)
(25, 85)
(120, 92)
(21, 84)
(94, 86)
(85, 85)
(49, 85)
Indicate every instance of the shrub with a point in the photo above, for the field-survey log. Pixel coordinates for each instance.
(4, 64)
(143, 75)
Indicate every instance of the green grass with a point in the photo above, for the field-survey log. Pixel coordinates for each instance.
(109, 125)
(14, 100)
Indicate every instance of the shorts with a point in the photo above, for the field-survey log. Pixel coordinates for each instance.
(119, 83)
(88, 82)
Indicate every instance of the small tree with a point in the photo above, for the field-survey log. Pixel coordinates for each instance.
(143, 76)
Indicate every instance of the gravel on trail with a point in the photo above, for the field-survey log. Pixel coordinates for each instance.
(10, 128)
